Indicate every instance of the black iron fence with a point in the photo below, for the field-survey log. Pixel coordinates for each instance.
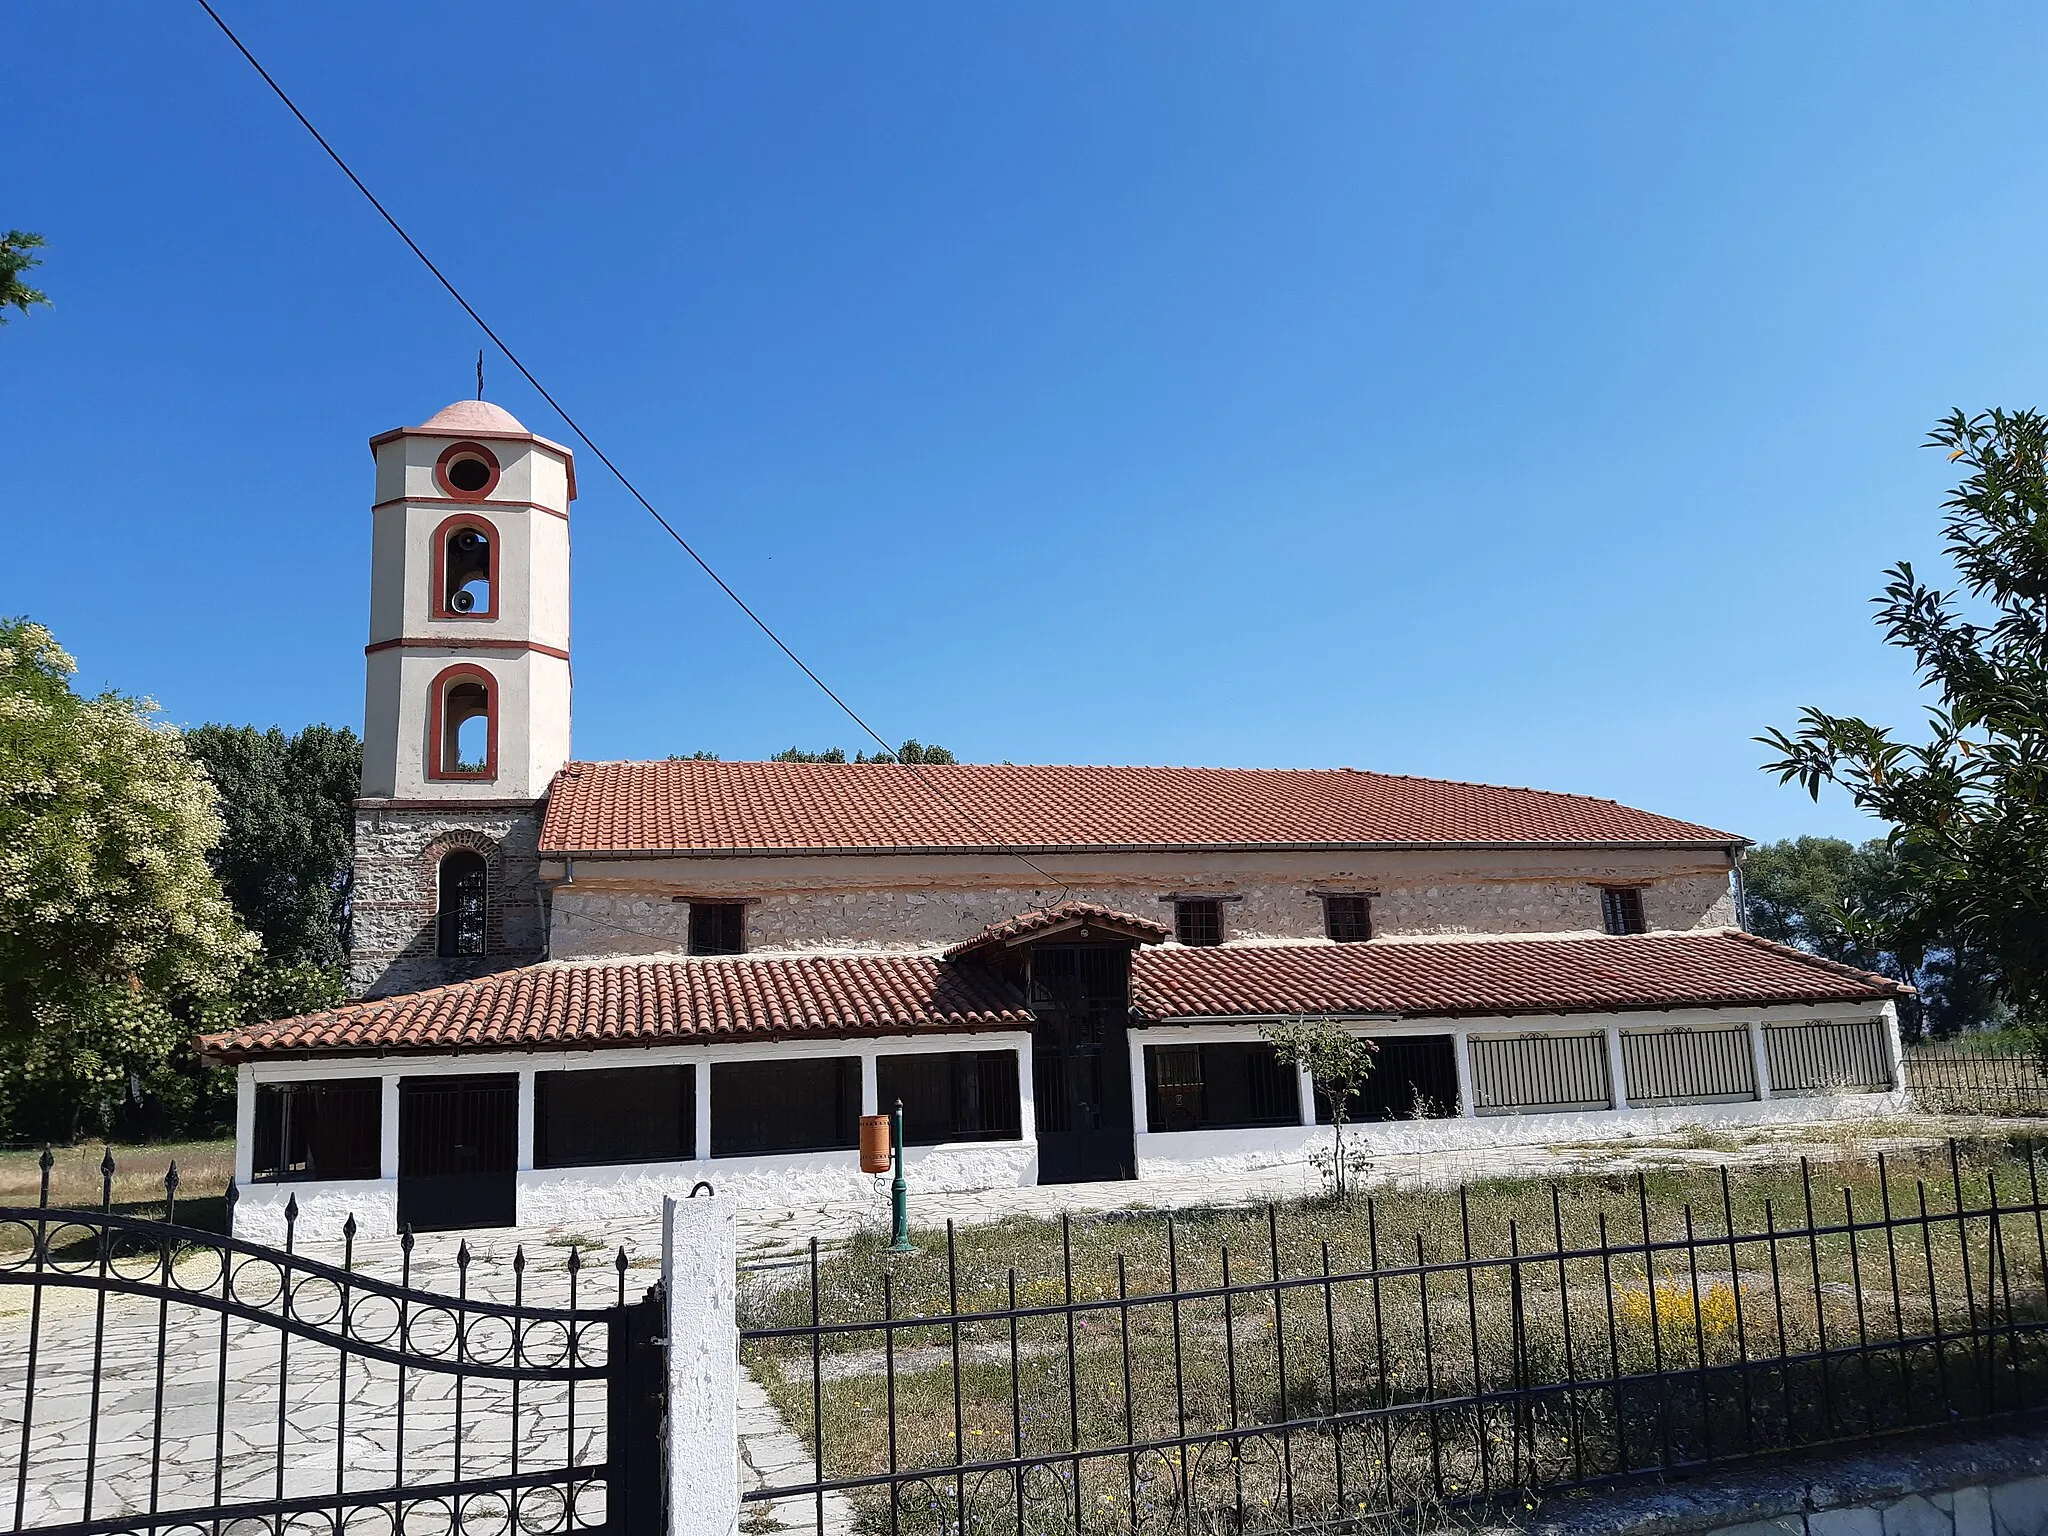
(1947, 1079)
(1279, 1388)
(158, 1378)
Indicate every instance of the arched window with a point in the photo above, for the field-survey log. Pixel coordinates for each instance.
(464, 888)
(463, 725)
(465, 569)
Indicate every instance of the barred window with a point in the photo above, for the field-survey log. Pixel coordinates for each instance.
(1348, 919)
(951, 1095)
(465, 888)
(1511, 1073)
(592, 1117)
(1621, 909)
(810, 1104)
(1198, 921)
(1219, 1086)
(1824, 1057)
(322, 1130)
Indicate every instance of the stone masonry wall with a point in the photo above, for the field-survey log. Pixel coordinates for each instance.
(612, 918)
(398, 850)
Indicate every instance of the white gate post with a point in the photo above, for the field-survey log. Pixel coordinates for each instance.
(700, 1280)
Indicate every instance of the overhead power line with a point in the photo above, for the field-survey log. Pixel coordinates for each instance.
(602, 457)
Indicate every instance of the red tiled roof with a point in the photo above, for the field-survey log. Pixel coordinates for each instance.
(653, 1002)
(1065, 914)
(694, 806)
(1454, 978)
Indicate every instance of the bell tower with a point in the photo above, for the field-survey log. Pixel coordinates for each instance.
(466, 703)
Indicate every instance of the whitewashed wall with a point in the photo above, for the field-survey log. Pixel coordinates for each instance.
(572, 1196)
(568, 1196)
(1177, 1154)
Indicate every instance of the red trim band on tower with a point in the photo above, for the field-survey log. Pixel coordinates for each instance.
(461, 643)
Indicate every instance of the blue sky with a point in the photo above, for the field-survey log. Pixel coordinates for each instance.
(1520, 393)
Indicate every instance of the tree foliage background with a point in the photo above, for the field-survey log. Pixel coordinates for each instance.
(134, 914)
(1968, 803)
(1861, 905)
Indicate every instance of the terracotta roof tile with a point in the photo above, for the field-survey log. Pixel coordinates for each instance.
(694, 806)
(1060, 915)
(653, 1002)
(1500, 976)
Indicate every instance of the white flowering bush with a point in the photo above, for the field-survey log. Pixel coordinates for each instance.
(114, 933)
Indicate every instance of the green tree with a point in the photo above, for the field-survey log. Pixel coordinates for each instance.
(15, 259)
(1968, 805)
(912, 751)
(114, 933)
(1339, 1062)
(1866, 905)
(284, 858)
(1824, 895)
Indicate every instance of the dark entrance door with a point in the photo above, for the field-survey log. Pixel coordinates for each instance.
(1081, 1071)
(458, 1148)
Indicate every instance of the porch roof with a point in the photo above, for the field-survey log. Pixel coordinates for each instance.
(651, 1002)
(1062, 917)
(1454, 978)
(638, 1002)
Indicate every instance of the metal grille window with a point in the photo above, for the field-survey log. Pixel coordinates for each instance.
(718, 928)
(1219, 1086)
(1413, 1077)
(1853, 1057)
(952, 1095)
(1621, 909)
(1347, 919)
(1542, 1072)
(464, 893)
(1688, 1066)
(614, 1115)
(331, 1130)
(1198, 921)
(784, 1106)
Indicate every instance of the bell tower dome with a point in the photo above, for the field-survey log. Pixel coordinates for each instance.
(466, 698)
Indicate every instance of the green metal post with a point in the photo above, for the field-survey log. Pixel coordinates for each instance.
(899, 1191)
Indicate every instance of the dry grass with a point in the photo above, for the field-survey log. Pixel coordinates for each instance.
(204, 1168)
(1424, 1360)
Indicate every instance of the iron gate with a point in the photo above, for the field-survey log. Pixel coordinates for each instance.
(157, 1378)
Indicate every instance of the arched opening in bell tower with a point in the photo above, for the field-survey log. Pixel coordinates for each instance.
(463, 725)
(465, 575)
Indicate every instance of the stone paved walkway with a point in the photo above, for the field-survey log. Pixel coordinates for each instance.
(134, 1445)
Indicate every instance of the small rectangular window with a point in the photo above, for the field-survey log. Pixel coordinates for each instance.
(951, 1095)
(1198, 921)
(718, 928)
(806, 1105)
(614, 1115)
(329, 1130)
(1219, 1087)
(1621, 909)
(1347, 919)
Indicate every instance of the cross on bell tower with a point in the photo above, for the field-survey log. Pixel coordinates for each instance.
(466, 703)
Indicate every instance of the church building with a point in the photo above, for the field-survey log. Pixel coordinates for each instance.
(582, 985)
